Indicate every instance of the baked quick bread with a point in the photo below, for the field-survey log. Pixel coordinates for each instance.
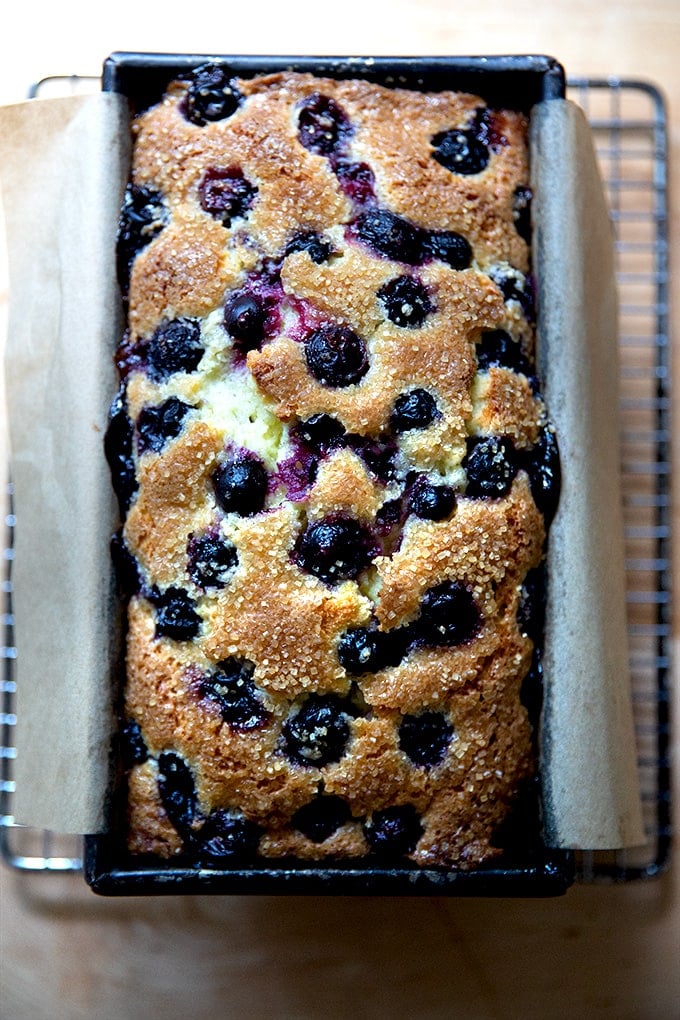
(335, 473)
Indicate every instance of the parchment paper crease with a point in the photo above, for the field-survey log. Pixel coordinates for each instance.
(63, 166)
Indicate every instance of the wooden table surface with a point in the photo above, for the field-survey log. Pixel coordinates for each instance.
(601, 951)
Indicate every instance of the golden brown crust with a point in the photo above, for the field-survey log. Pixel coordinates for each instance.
(280, 620)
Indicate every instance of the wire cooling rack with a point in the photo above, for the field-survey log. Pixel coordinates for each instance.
(629, 127)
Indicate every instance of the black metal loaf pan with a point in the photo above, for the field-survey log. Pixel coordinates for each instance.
(516, 82)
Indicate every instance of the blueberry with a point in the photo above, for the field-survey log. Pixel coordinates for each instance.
(496, 347)
(142, 217)
(390, 236)
(360, 650)
(321, 817)
(424, 738)
(336, 356)
(226, 193)
(241, 485)
(406, 301)
(159, 423)
(531, 691)
(448, 616)
(211, 561)
(521, 211)
(232, 688)
(432, 502)
(132, 745)
(413, 410)
(177, 792)
(393, 832)
(449, 247)
(318, 733)
(460, 151)
(125, 566)
(515, 286)
(175, 347)
(335, 549)
(389, 516)
(318, 249)
(118, 449)
(225, 837)
(176, 615)
(322, 125)
(356, 180)
(531, 609)
(211, 95)
(245, 316)
(543, 467)
(320, 433)
(378, 456)
(491, 465)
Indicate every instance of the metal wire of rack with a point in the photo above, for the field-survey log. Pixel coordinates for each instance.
(628, 121)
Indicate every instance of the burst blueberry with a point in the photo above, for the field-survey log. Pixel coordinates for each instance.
(323, 126)
(424, 738)
(174, 347)
(521, 211)
(543, 467)
(389, 235)
(448, 247)
(415, 409)
(497, 347)
(132, 744)
(225, 838)
(232, 688)
(515, 286)
(118, 449)
(491, 465)
(406, 301)
(531, 609)
(394, 831)
(356, 180)
(211, 560)
(176, 615)
(226, 193)
(142, 218)
(240, 485)
(336, 548)
(157, 424)
(360, 650)
(125, 566)
(320, 433)
(320, 818)
(336, 356)
(432, 502)
(316, 246)
(177, 792)
(448, 616)
(318, 733)
(212, 95)
(461, 151)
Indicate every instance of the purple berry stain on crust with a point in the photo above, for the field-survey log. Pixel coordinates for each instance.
(389, 235)
(212, 560)
(177, 792)
(393, 832)
(322, 817)
(356, 180)
(336, 356)
(323, 126)
(424, 738)
(225, 837)
(298, 473)
(448, 616)
(241, 485)
(142, 217)
(491, 464)
(226, 193)
(406, 301)
(232, 688)
(334, 549)
(318, 733)
(159, 423)
(176, 615)
(211, 95)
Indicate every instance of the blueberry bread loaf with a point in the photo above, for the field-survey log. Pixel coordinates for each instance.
(334, 469)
